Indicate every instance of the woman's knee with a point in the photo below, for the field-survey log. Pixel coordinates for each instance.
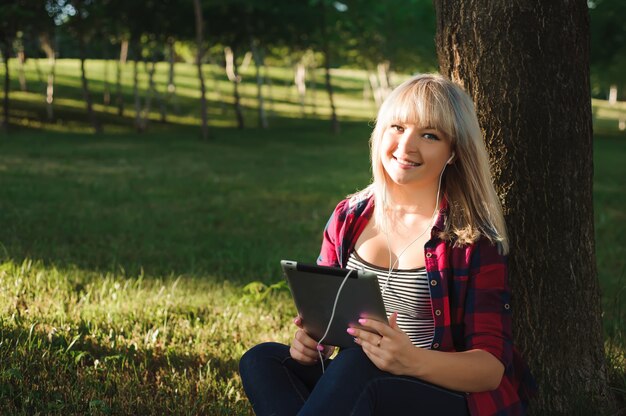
(352, 357)
(262, 353)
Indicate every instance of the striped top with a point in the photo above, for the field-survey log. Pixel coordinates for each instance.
(407, 294)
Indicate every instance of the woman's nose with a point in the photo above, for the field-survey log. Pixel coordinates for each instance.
(408, 141)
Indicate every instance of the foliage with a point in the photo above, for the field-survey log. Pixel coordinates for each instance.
(608, 43)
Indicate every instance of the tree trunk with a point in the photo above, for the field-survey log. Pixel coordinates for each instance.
(50, 90)
(6, 50)
(150, 95)
(312, 72)
(199, 39)
(231, 71)
(50, 87)
(47, 47)
(106, 95)
(118, 77)
(376, 90)
(21, 58)
(258, 64)
(136, 97)
(38, 70)
(86, 94)
(526, 65)
(613, 94)
(270, 88)
(300, 80)
(329, 85)
(171, 85)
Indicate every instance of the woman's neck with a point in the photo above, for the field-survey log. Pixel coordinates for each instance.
(422, 201)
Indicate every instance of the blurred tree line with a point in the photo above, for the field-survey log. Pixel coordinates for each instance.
(307, 34)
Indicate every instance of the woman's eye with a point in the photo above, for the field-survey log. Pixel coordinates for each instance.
(430, 136)
(397, 128)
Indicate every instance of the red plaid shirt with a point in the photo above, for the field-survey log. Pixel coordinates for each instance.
(470, 300)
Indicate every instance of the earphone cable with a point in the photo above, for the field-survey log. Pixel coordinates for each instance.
(432, 223)
(332, 316)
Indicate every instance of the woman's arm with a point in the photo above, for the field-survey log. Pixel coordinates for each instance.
(468, 371)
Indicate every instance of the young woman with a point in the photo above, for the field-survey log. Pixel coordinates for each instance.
(431, 227)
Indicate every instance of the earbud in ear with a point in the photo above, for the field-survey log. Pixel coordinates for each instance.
(449, 162)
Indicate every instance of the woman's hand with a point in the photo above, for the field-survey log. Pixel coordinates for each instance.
(389, 348)
(304, 349)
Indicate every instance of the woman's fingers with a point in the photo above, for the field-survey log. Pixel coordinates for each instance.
(393, 320)
(305, 339)
(303, 348)
(300, 357)
(328, 351)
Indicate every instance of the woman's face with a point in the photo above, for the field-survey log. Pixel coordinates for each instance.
(414, 155)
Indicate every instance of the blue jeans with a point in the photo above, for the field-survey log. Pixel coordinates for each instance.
(351, 385)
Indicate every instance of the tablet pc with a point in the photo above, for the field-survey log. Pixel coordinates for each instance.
(314, 289)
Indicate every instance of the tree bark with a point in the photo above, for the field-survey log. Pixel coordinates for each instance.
(136, 97)
(313, 86)
(197, 7)
(6, 50)
(526, 65)
(106, 94)
(329, 85)
(300, 80)
(258, 64)
(118, 77)
(21, 58)
(171, 85)
(86, 94)
(47, 47)
(50, 89)
(151, 94)
(231, 71)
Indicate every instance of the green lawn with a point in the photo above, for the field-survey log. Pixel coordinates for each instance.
(124, 258)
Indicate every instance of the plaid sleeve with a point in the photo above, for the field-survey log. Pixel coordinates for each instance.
(488, 307)
(331, 244)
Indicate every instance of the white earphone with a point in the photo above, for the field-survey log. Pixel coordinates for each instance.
(449, 162)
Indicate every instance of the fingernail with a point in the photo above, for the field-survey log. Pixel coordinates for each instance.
(296, 320)
(362, 321)
(351, 331)
(320, 348)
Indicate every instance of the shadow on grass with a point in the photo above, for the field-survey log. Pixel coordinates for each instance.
(169, 203)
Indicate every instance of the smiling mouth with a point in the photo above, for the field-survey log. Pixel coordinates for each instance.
(405, 162)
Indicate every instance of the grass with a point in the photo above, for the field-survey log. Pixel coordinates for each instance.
(125, 259)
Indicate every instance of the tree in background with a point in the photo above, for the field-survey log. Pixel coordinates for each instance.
(19, 15)
(327, 10)
(199, 19)
(526, 64)
(608, 46)
(83, 19)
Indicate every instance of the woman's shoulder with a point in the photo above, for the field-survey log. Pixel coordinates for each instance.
(355, 203)
(482, 251)
(361, 198)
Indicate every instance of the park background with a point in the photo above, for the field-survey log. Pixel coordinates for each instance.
(139, 246)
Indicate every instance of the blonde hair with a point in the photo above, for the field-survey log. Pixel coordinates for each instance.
(474, 206)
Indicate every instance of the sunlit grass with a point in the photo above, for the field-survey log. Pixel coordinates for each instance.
(73, 340)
